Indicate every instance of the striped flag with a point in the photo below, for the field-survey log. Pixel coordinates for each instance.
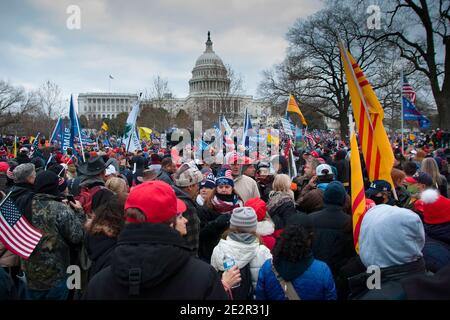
(16, 233)
(369, 116)
(408, 91)
(357, 191)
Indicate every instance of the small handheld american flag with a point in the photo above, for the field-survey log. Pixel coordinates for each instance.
(16, 233)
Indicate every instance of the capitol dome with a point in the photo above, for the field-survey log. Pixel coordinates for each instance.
(209, 75)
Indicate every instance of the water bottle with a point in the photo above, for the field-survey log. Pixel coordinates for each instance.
(228, 263)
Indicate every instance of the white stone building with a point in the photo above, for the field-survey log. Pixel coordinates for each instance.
(105, 105)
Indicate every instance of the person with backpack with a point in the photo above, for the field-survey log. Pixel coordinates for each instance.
(293, 273)
(92, 179)
(243, 245)
(151, 259)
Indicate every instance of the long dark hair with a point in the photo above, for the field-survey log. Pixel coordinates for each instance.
(293, 245)
(109, 217)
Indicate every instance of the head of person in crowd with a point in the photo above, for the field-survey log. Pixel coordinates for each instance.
(108, 217)
(380, 191)
(335, 194)
(282, 183)
(187, 178)
(264, 172)
(436, 208)
(310, 167)
(149, 174)
(207, 186)
(47, 182)
(410, 168)
(430, 167)
(161, 208)
(224, 197)
(110, 172)
(280, 164)
(311, 201)
(117, 185)
(24, 174)
(95, 167)
(60, 170)
(398, 177)
(390, 236)
(168, 165)
(340, 155)
(423, 182)
(325, 175)
(249, 170)
(419, 156)
(243, 220)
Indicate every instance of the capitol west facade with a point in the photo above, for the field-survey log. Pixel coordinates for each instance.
(209, 93)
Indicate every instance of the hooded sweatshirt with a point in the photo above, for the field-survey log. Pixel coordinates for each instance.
(390, 236)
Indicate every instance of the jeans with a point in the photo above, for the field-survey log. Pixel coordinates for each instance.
(59, 292)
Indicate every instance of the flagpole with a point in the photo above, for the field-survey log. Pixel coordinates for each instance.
(79, 132)
(401, 107)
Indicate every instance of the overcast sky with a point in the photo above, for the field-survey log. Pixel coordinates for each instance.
(138, 39)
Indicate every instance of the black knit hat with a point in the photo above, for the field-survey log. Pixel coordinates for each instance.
(47, 182)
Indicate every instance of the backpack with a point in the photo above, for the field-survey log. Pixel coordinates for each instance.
(85, 197)
(245, 290)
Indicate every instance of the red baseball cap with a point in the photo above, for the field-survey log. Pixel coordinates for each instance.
(315, 154)
(4, 166)
(156, 199)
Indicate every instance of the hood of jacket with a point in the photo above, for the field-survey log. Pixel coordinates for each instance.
(277, 200)
(156, 250)
(265, 228)
(98, 244)
(242, 253)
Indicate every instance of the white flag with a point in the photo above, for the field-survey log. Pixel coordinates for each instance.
(130, 136)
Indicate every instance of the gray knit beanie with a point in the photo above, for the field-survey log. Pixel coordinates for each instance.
(244, 218)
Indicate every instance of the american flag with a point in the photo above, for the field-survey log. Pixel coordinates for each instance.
(408, 91)
(16, 233)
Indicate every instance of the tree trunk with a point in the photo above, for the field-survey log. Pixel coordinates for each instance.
(343, 121)
(443, 106)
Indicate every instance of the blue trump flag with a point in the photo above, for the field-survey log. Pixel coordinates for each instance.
(75, 129)
(410, 113)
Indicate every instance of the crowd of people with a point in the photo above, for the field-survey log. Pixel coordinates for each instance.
(142, 226)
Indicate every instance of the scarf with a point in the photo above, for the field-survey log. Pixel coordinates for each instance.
(246, 238)
(222, 206)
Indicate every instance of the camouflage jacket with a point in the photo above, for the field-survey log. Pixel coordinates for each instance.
(62, 227)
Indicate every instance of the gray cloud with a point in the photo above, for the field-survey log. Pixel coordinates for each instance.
(136, 40)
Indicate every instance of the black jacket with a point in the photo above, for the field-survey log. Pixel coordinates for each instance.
(22, 195)
(390, 285)
(165, 176)
(333, 238)
(193, 224)
(212, 226)
(283, 214)
(99, 248)
(151, 261)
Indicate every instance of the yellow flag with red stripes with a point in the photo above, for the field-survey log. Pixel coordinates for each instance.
(357, 190)
(369, 116)
(294, 108)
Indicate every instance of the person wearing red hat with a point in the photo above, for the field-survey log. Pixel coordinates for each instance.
(265, 226)
(152, 260)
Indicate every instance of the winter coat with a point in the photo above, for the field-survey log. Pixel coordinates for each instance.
(22, 195)
(316, 283)
(246, 188)
(212, 226)
(193, 224)
(281, 209)
(99, 248)
(333, 237)
(390, 282)
(62, 228)
(254, 254)
(428, 287)
(436, 251)
(265, 230)
(165, 176)
(163, 269)
(7, 258)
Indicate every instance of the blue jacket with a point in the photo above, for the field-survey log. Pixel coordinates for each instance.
(316, 283)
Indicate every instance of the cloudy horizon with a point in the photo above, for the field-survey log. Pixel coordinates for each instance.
(139, 40)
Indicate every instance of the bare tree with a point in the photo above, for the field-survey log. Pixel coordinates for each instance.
(50, 99)
(420, 30)
(14, 103)
(159, 91)
(313, 69)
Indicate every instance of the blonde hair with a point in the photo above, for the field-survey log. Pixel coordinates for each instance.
(429, 165)
(117, 185)
(282, 183)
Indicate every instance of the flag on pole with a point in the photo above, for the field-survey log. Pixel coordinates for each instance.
(75, 129)
(15, 147)
(105, 126)
(357, 190)
(410, 112)
(293, 107)
(247, 127)
(130, 137)
(368, 115)
(58, 131)
(145, 133)
(16, 233)
(111, 77)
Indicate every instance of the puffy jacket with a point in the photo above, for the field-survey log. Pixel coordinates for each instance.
(160, 266)
(99, 248)
(316, 283)
(254, 254)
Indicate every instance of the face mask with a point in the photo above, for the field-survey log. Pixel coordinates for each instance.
(378, 200)
(225, 197)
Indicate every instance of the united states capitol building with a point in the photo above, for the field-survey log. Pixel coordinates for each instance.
(210, 94)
